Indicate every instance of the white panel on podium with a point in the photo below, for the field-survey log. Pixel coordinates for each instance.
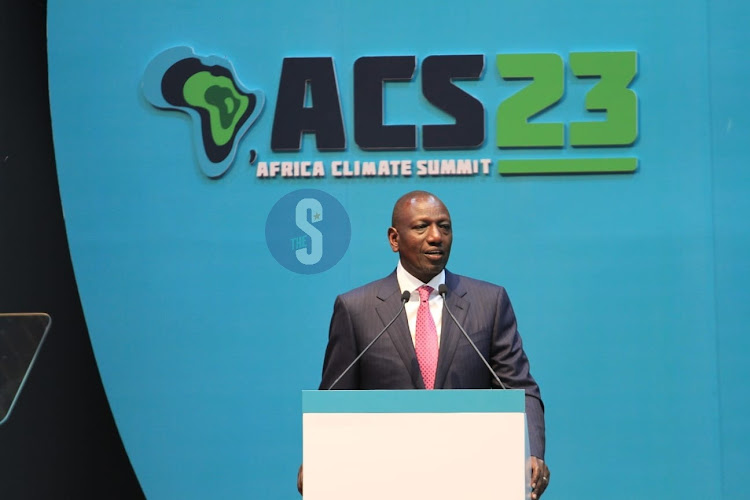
(393, 445)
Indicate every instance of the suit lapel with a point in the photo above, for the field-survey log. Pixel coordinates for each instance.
(390, 302)
(450, 334)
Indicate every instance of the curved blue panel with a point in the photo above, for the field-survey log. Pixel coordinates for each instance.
(204, 339)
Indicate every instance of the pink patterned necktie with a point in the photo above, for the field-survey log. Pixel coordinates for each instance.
(425, 338)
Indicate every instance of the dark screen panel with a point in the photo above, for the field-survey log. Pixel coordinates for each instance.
(21, 337)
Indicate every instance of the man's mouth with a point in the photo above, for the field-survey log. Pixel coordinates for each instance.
(434, 254)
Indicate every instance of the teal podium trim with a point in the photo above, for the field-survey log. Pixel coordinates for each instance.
(415, 401)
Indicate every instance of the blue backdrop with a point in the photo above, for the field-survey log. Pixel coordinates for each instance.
(629, 288)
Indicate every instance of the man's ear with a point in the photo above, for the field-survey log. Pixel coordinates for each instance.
(393, 238)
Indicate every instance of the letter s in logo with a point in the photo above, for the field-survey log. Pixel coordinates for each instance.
(296, 231)
(314, 252)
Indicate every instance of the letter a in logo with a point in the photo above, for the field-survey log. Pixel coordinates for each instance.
(207, 89)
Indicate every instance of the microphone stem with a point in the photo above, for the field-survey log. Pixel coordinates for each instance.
(403, 303)
(497, 379)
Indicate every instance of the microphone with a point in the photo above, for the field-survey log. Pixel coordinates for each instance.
(404, 299)
(442, 290)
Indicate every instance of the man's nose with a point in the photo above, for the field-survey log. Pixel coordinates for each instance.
(434, 235)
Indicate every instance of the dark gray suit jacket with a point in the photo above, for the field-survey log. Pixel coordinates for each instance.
(482, 308)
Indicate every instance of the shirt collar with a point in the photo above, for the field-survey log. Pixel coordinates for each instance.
(407, 282)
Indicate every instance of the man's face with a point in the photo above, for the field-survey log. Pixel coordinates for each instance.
(422, 235)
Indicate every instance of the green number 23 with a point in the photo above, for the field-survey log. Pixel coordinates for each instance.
(611, 94)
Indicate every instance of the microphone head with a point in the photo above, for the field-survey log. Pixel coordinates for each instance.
(405, 296)
(442, 290)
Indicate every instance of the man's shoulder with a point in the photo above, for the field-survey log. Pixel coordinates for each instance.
(388, 285)
(382, 286)
(459, 282)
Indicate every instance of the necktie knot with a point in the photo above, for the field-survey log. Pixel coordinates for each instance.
(424, 293)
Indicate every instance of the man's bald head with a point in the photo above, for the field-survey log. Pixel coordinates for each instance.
(407, 200)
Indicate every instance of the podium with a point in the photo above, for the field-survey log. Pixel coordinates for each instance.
(415, 444)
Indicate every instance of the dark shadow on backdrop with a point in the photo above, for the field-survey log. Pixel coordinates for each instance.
(60, 441)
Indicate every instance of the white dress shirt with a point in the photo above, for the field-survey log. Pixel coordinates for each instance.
(408, 282)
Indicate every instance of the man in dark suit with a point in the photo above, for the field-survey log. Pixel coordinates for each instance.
(424, 349)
